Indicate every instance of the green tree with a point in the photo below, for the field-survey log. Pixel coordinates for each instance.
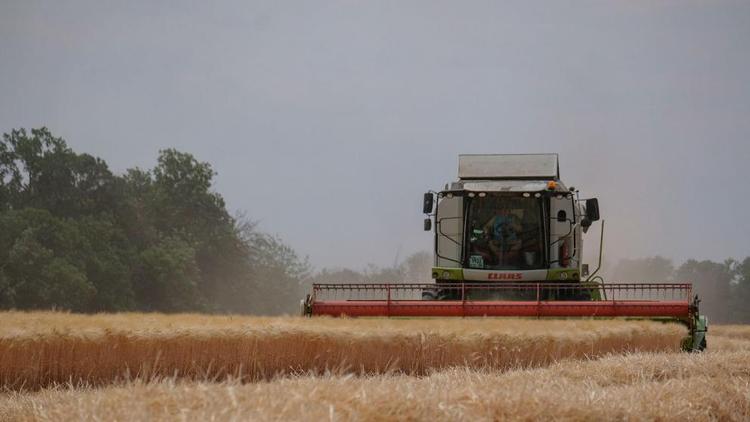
(75, 236)
(741, 293)
(42, 261)
(279, 271)
(712, 282)
(109, 258)
(167, 277)
(183, 197)
(40, 171)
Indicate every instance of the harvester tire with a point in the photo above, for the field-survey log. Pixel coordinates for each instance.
(687, 345)
(305, 309)
(429, 295)
(703, 345)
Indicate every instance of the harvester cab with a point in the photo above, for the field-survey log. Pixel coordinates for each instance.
(508, 242)
(509, 218)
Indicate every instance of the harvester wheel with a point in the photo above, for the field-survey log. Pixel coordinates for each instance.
(305, 307)
(429, 294)
(438, 294)
(687, 345)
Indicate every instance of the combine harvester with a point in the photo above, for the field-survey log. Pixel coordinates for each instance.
(508, 243)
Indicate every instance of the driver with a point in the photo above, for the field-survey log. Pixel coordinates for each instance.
(504, 231)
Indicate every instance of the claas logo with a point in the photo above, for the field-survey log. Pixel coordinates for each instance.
(504, 276)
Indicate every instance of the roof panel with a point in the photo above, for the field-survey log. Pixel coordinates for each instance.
(508, 166)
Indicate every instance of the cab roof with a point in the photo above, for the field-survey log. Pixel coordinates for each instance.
(508, 167)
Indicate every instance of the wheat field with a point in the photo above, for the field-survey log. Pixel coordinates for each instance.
(43, 349)
(195, 367)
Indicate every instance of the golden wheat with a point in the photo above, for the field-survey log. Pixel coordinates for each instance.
(668, 387)
(735, 332)
(42, 349)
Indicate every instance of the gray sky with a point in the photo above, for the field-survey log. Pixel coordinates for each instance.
(327, 120)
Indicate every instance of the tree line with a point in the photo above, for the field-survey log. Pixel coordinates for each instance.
(75, 236)
(723, 287)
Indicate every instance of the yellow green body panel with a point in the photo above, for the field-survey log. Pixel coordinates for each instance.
(554, 274)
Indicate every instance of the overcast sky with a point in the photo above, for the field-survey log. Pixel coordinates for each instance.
(327, 120)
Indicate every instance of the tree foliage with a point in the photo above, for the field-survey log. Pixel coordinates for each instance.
(75, 236)
(416, 268)
(740, 303)
(723, 287)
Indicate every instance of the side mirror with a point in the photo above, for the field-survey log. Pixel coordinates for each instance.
(428, 203)
(592, 209)
(427, 224)
(585, 224)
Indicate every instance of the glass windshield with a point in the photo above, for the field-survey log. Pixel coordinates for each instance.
(505, 233)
